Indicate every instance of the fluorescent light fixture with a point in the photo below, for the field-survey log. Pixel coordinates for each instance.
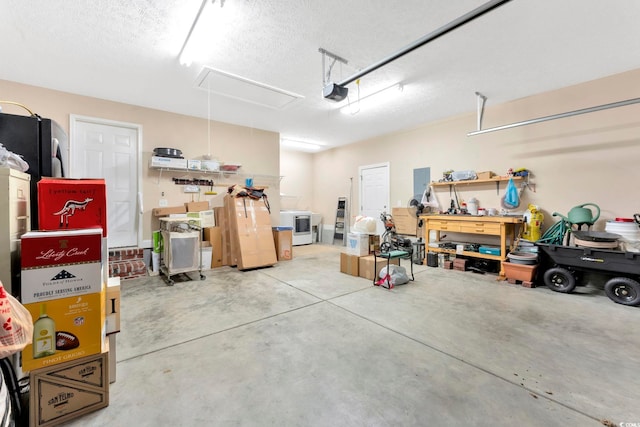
(189, 48)
(373, 100)
(243, 89)
(296, 145)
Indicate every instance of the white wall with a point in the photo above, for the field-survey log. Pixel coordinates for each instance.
(296, 184)
(257, 150)
(588, 158)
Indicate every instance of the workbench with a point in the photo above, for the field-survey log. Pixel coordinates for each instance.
(504, 226)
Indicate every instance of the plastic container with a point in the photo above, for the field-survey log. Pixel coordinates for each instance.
(489, 250)
(628, 230)
(472, 206)
(523, 258)
(524, 273)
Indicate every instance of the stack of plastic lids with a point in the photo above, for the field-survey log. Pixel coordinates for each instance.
(630, 232)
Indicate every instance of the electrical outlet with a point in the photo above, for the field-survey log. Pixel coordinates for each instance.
(163, 203)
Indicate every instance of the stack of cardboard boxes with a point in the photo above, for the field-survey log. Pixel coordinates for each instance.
(238, 234)
(358, 259)
(64, 273)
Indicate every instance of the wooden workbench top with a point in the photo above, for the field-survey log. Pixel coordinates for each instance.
(474, 218)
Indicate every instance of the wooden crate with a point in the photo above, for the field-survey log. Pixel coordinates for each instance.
(68, 390)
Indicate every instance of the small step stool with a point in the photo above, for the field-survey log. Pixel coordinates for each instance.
(389, 256)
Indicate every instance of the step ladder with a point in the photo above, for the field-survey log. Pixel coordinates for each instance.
(339, 231)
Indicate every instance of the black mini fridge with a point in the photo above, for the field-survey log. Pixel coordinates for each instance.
(41, 143)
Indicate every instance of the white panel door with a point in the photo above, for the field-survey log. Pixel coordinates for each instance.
(374, 192)
(101, 149)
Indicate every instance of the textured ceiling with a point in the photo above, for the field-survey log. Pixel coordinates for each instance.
(127, 51)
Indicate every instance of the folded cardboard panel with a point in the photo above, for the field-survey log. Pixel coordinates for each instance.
(213, 235)
(251, 232)
(222, 222)
(405, 221)
(230, 231)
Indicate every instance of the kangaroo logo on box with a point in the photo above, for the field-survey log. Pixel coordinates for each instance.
(70, 208)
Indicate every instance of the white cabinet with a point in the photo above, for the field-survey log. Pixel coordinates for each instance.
(14, 222)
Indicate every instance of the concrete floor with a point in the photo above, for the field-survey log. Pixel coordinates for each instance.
(301, 344)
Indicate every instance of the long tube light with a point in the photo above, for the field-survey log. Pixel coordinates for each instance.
(185, 57)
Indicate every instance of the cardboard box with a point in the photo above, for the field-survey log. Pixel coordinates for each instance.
(349, 264)
(112, 306)
(358, 244)
(166, 211)
(72, 203)
(60, 264)
(367, 263)
(251, 235)
(283, 239)
(213, 235)
(207, 218)
(485, 175)
(67, 391)
(80, 317)
(405, 220)
(197, 206)
(168, 162)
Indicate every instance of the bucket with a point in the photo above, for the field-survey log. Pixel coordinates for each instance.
(629, 232)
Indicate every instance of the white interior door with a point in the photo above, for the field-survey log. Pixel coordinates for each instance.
(374, 192)
(110, 150)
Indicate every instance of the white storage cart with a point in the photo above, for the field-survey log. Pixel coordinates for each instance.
(181, 254)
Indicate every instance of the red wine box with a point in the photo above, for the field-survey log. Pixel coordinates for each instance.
(65, 329)
(60, 264)
(65, 203)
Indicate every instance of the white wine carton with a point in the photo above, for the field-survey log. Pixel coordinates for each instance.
(65, 329)
(60, 264)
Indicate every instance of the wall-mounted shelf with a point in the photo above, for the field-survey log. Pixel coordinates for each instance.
(497, 180)
(224, 176)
